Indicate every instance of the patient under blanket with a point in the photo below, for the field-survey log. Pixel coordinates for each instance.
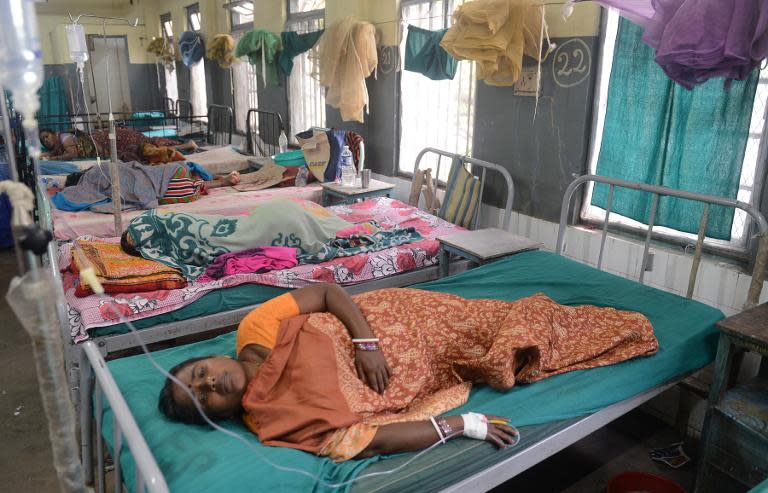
(189, 242)
(437, 345)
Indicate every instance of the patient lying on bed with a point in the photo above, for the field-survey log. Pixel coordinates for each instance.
(131, 146)
(349, 378)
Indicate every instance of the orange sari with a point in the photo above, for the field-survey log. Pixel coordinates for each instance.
(307, 394)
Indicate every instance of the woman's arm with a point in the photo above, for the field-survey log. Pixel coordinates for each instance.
(408, 437)
(371, 366)
(70, 150)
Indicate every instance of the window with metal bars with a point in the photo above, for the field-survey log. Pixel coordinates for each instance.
(306, 97)
(193, 17)
(240, 15)
(171, 83)
(433, 113)
(752, 171)
(244, 79)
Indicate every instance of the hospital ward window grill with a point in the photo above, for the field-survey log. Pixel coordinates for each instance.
(246, 88)
(433, 113)
(240, 14)
(753, 167)
(167, 25)
(193, 17)
(306, 97)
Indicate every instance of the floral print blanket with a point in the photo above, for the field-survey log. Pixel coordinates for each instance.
(99, 311)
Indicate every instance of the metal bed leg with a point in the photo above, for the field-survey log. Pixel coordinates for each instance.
(101, 483)
(86, 417)
(118, 437)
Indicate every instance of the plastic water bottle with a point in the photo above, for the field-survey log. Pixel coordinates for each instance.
(348, 173)
(302, 177)
(282, 142)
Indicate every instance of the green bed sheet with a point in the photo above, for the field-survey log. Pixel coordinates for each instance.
(197, 459)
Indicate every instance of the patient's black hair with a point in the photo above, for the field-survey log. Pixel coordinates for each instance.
(73, 178)
(42, 130)
(127, 247)
(175, 411)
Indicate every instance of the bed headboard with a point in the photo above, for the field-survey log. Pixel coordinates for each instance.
(221, 123)
(484, 167)
(758, 271)
(263, 132)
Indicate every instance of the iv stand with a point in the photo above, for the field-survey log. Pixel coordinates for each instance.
(114, 172)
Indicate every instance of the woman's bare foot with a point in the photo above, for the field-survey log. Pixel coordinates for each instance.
(192, 145)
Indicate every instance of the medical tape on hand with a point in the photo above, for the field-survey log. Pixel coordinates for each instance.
(475, 425)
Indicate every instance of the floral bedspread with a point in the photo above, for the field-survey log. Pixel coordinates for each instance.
(99, 311)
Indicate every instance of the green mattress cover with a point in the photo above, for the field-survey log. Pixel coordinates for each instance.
(216, 301)
(197, 459)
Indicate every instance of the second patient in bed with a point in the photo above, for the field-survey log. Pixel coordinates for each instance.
(131, 145)
(345, 378)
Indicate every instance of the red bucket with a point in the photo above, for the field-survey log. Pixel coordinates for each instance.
(642, 482)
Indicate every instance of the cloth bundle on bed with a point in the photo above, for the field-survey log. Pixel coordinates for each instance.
(119, 272)
(191, 242)
(141, 187)
(437, 345)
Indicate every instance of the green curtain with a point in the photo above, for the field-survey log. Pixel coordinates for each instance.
(659, 133)
(53, 101)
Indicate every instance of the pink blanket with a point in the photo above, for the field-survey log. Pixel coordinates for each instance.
(255, 260)
(93, 311)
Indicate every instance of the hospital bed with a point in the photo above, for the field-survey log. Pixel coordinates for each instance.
(263, 130)
(225, 307)
(551, 414)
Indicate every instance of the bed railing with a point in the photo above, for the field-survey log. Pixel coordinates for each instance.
(263, 132)
(221, 123)
(147, 472)
(761, 260)
(484, 166)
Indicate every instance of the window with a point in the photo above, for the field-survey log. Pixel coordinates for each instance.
(246, 95)
(197, 89)
(193, 17)
(167, 25)
(240, 14)
(299, 6)
(753, 165)
(305, 94)
(433, 113)
(171, 83)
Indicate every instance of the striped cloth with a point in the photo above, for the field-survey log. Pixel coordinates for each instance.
(185, 186)
(461, 196)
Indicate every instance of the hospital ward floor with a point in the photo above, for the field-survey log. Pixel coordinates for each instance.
(585, 467)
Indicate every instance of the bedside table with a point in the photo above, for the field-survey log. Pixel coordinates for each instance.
(349, 195)
(482, 246)
(734, 441)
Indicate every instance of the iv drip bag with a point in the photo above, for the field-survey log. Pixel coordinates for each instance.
(78, 50)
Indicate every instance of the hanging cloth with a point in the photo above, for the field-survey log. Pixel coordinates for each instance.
(347, 53)
(53, 101)
(192, 48)
(496, 34)
(294, 44)
(423, 54)
(697, 41)
(658, 133)
(261, 47)
(221, 49)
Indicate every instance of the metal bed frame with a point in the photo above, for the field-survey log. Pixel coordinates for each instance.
(80, 369)
(484, 167)
(265, 127)
(563, 434)
(221, 124)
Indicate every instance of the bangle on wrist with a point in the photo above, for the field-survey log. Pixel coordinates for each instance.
(444, 426)
(437, 429)
(366, 344)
